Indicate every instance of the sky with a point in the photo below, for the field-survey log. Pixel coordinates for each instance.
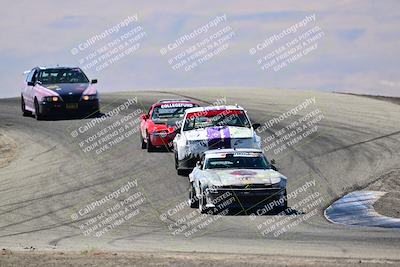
(357, 49)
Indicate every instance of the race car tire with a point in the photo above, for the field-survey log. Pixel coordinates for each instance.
(25, 113)
(176, 160)
(179, 171)
(143, 143)
(193, 201)
(202, 202)
(38, 116)
(285, 204)
(96, 114)
(150, 147)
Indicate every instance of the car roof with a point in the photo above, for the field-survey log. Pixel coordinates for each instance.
(209, 108)
(232, 150)
(26, 72)
(57, 67)
(173, 100)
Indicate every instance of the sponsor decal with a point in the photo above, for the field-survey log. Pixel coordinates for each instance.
(218, 137)
(177, 105)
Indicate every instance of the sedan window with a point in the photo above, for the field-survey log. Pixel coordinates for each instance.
(231, 162)
(59, 75)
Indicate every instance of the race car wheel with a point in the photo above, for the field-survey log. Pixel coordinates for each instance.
(144, 145)
(193, 201)
(38, 116)
(285, 204)
(150, 147)
(178, 171)
(96, 114)
(202, 202)
(176, 160)
(24, 111)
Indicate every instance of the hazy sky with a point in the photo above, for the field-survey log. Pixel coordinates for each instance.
(358, 52)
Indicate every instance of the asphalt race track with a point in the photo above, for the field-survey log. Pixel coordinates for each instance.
(51, 178)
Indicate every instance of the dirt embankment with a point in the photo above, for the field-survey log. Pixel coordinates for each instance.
(389, 204)
(97, 258)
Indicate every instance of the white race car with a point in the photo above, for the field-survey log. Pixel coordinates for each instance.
(236, 178)
(213, 127)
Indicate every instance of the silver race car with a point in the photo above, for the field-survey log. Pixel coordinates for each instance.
(239, 178)
(213, 127)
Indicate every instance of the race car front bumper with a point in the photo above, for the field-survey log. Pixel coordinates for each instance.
(244, 198)
(53, 108)
(162, 139)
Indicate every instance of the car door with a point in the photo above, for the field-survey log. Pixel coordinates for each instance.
(180, 140)
(28, 93)
(200, 167)
(196, 175)
(144, 123)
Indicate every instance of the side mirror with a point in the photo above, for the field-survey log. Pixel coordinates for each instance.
(93, 81)
(31, 84)
(198, 164)
(144, 117)
(273, 166)
(256, 125)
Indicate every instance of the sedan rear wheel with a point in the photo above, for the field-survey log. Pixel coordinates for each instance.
(24, 111)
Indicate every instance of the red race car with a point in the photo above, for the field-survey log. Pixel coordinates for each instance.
(157, 127)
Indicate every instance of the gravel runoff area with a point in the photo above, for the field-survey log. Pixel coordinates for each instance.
(98, 258)
(389, 204)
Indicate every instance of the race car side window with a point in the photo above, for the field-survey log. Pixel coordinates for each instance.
(30, 76)
(35, 76)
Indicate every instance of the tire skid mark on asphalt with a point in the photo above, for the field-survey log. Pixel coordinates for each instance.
(43, 152)
(356, 208)
(359, 143)
(33, 200)
(71, 190)
(48, 227)
(55, 242)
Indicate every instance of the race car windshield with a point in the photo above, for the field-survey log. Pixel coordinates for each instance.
(170, 112)
(216, 118)
(259, 162)
(51, 76)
